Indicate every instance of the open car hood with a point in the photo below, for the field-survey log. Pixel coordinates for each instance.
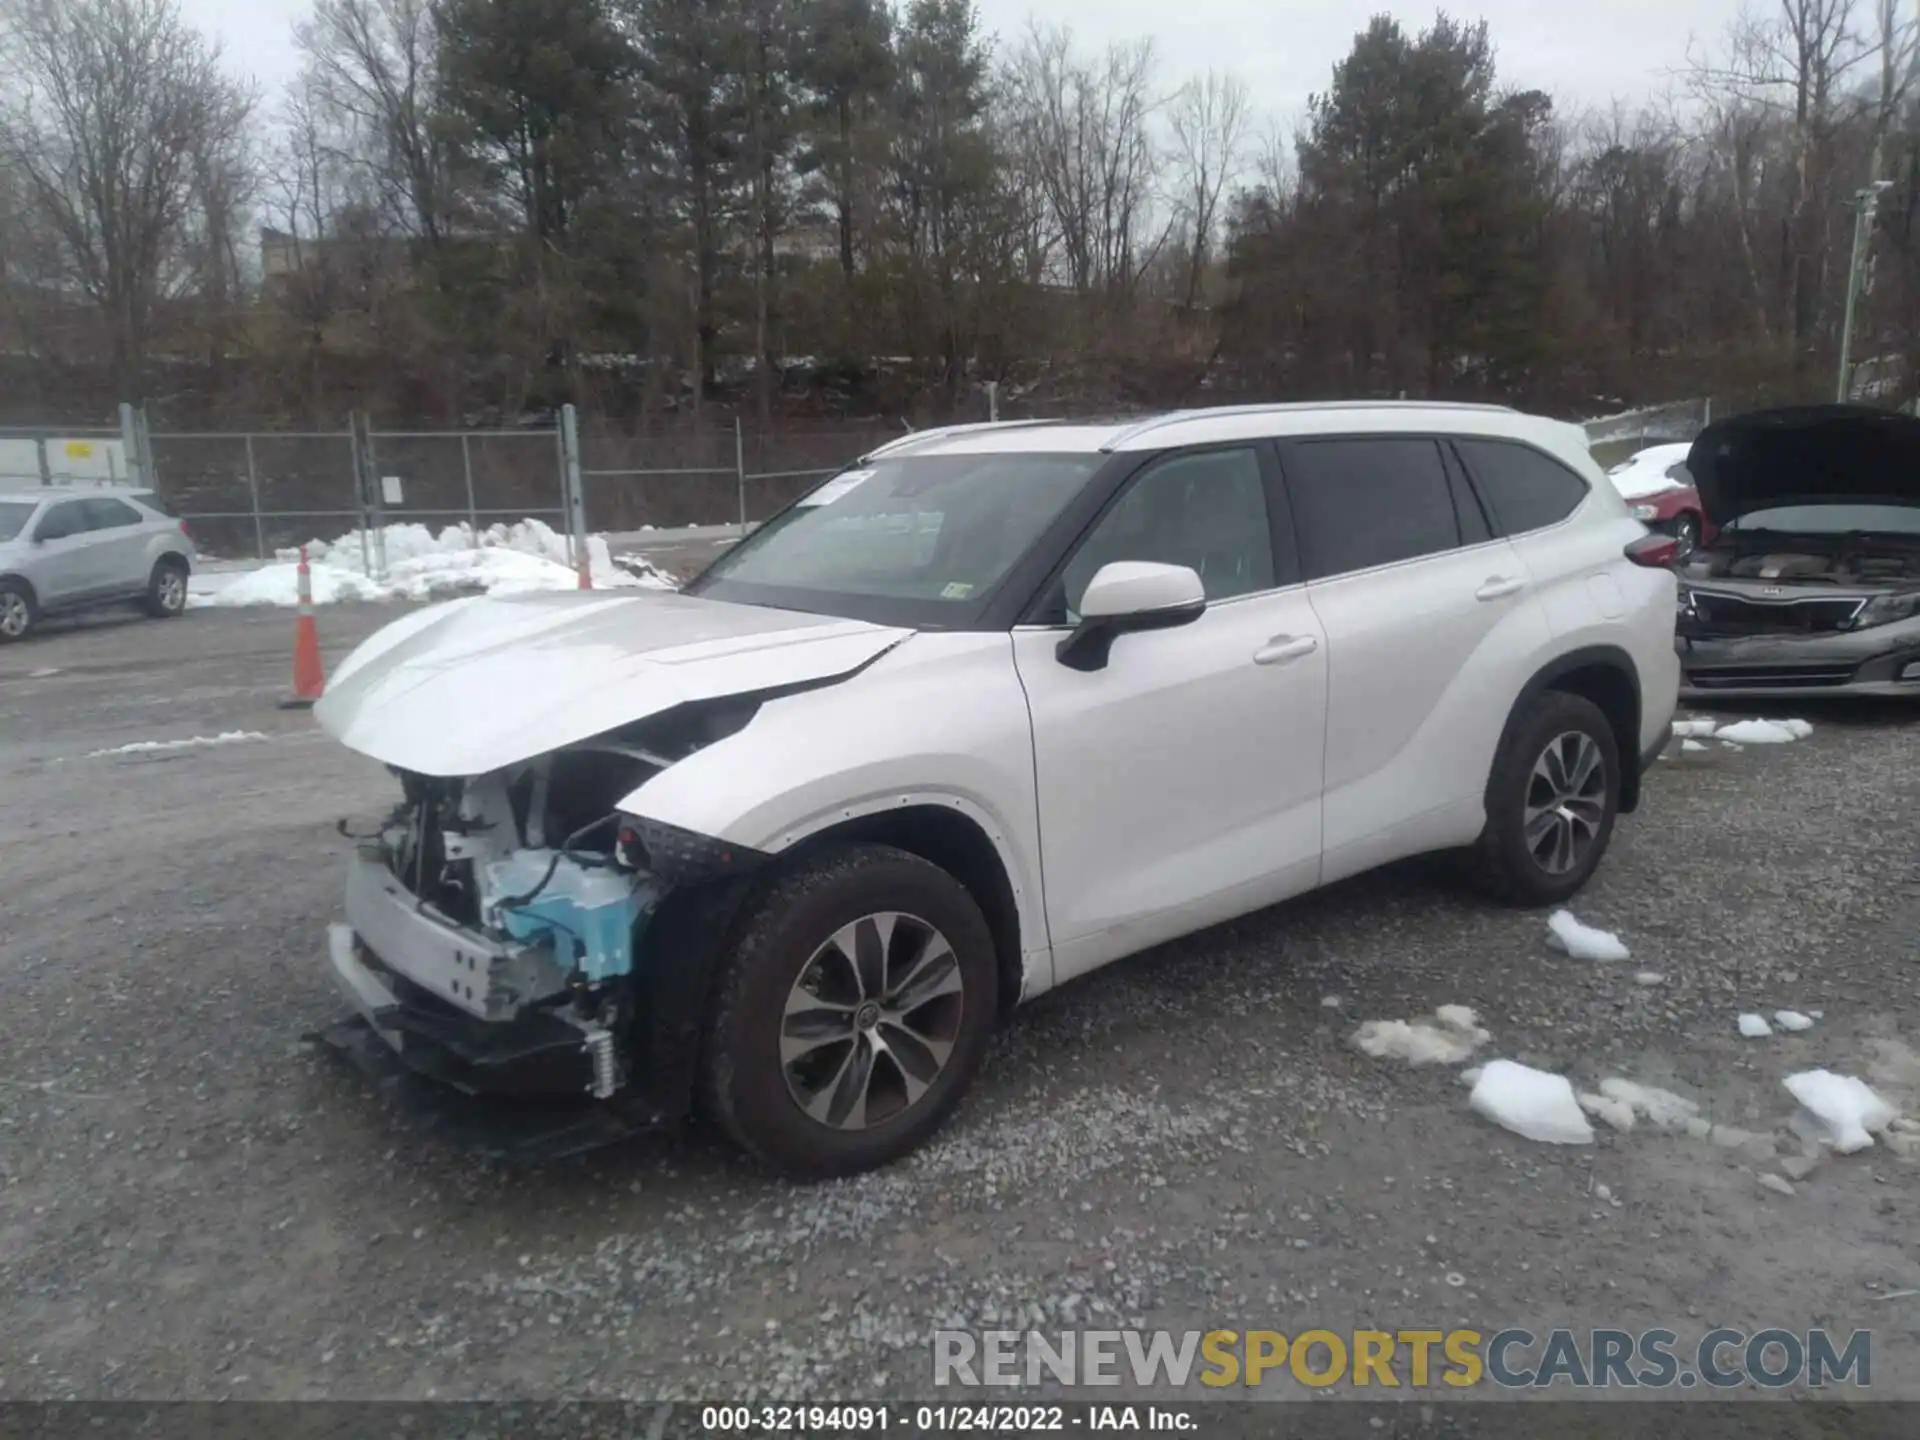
(1806, 455)
(473, 685)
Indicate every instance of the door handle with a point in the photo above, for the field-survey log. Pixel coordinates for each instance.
(1282, 648)
(1499, 587)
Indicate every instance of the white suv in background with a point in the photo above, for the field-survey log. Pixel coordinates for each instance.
(993, 708)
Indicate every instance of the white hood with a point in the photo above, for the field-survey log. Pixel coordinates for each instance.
(471, 686)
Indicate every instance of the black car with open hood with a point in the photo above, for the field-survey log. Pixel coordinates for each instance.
(1808, 454)
(1812, 583)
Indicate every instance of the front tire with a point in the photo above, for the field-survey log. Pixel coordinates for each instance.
(854, 1009)
(18, 613)
(166, 590)
(1686, 530)
(1552, 800)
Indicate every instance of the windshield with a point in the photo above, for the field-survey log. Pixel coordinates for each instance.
(918, 540)
(1832, 520)
(14, 515)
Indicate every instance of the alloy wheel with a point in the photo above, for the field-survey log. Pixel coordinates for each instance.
(15, 617)
(1566, 802)
(173, 590)
(871, 1021)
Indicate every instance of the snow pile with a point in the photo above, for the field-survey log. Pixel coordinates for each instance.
(198, 742)
(1755, 1027)
(1531, 1103)
(528, 555)
(1763, 732)
(1625, 1101)
(1847, 1109)
(1449, 1037)
(1740, 732)
(1792, 1020)
(1582, 942)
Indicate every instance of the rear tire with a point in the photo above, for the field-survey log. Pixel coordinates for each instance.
(812, 1106)
(167, 590)
(1552, 800)
(18, 612)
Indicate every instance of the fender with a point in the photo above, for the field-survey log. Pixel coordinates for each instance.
(939, 721)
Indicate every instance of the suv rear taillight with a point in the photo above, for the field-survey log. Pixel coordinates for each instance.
(186, 532)
(1656, 552)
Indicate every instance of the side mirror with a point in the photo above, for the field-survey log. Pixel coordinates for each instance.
(1129, 595)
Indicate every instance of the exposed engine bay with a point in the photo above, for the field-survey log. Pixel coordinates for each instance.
(519, 902)
(1838, 560)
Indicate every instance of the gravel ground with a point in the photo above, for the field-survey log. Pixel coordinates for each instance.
(193, 1203)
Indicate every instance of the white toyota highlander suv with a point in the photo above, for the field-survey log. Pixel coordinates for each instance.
(995, 707)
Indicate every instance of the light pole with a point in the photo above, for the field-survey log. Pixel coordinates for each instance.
(1865, 202)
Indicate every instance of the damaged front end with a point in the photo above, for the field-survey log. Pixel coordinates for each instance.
(511, 934)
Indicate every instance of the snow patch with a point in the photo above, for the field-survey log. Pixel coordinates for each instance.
(1792, 1020)
(1582, 942)
(1755, 1027)
(1846, 1109)
(529, 555)
(198, 742)
(1692, 729)
(1449, 1037)
(1763, 732)
(1616, 1113)
(1531, 1103)
(1691, 745)
(1661, 1109)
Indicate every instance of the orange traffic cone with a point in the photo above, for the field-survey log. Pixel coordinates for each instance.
(309, 675)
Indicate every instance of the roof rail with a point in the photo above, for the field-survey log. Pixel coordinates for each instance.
(941, 432)
(1180, 417)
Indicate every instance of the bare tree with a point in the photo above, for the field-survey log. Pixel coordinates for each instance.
(1208, 118)
(126, 134)
(371, 69)
(1083, 125)
(1795, 66)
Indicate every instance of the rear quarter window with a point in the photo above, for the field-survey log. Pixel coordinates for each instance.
(1525, 489)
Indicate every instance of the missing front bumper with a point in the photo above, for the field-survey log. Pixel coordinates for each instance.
(527, 1090)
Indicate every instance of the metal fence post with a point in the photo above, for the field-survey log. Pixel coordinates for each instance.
(740, 472)
(466, 468)
(576, 500)
(149, 467)
(253, 495)
(130, 446)
(376, 492)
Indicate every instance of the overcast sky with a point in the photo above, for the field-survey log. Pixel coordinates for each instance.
(1584, 54)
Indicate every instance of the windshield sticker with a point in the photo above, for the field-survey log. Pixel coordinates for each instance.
(958, 590)
(835, 488)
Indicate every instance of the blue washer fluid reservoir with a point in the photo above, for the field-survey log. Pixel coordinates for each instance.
(586, 913)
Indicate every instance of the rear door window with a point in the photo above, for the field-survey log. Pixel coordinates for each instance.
(1527, 490)
(1363, 502)
(110, 514)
